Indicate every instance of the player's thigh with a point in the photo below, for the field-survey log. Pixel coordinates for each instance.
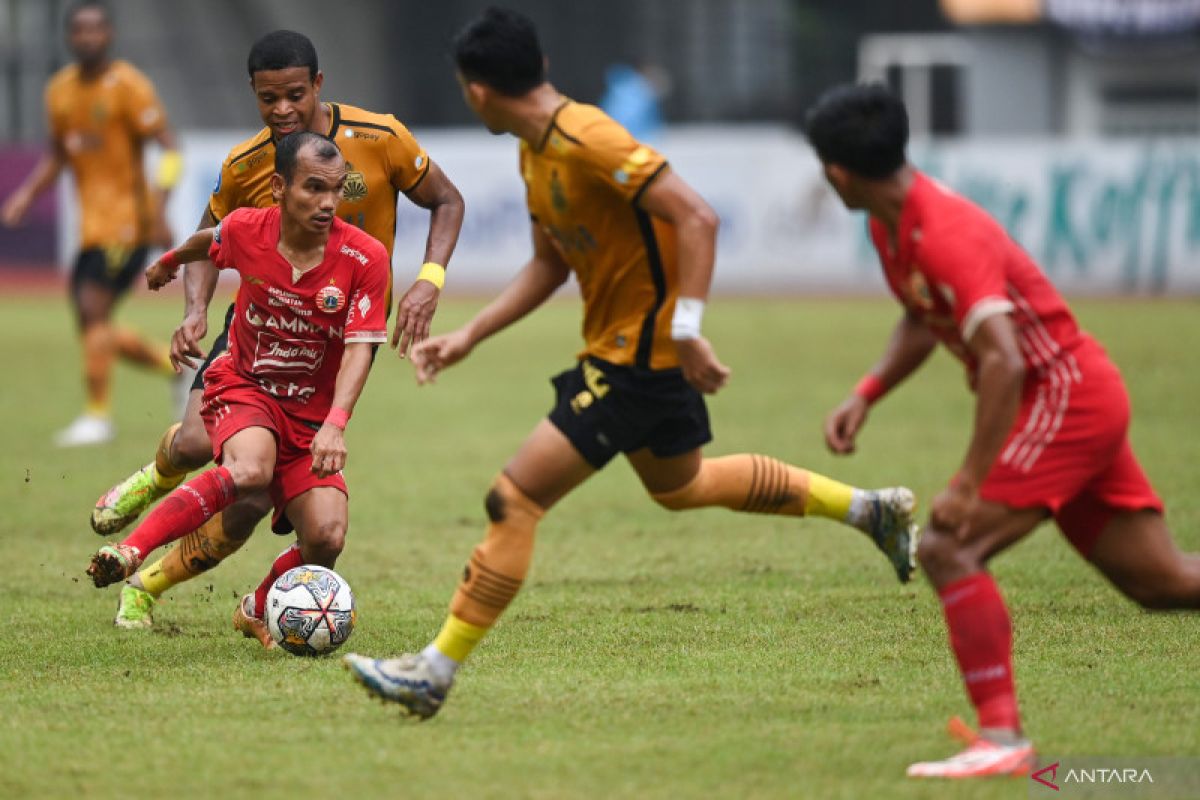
(664, 474)
(192, 447)
(320, 516)
(249, 455)
(1136, 552)
(547, 466)
(93, 302)
(947, 556)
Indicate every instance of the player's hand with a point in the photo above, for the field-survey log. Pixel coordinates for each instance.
(951, 510)
(185, 341)
(159, 275)
(414, 314)
(329, 451)
(14, 210)
(843, 424)
(433, 355)
(700, 365)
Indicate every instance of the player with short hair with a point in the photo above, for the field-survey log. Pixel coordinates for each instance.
(1050, 437)
(384, 160)
(311, 305)
(641, 243)
(101, 113)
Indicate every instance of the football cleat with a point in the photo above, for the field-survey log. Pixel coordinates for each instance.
(113, 563)
(85, 430)
(122, 504)
(981, 759)
(407, 680)
(135, 608)
(251, 626)
(891, 525)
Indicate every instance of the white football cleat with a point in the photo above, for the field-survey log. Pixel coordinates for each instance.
(982, 759)
(87, 429)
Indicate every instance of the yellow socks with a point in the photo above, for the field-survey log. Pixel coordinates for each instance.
(764, 485)
(198, 552)
(457, 639)
(165, 474)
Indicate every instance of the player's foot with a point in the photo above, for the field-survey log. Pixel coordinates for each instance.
(981, 759)
(135, 609)
(86, 429)
(251, 626)
(113, 563)
(122, 504)
(407, 680)
(891, 525)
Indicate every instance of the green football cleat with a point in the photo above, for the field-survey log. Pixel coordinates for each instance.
(135, 608)
(122, 504)
(407, 680)
(892, 527)
(113, 563)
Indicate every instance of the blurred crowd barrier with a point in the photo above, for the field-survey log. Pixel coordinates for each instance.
(1100, 216)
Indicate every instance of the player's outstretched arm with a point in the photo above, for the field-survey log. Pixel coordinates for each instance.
(42, 178)
(669, 198)
(199, 283)
(544, 273)
(1000, 377)
(329, 445)
(165, 267)
(910, 344)
(415, 310)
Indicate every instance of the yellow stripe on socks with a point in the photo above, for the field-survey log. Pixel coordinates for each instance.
(827, 498)
(457, 638)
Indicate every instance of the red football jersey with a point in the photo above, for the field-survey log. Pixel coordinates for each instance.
(953, 266)
(289, 330)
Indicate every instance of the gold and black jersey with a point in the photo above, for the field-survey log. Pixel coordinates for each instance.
(100, 124)
(383, 159)
(582, 183)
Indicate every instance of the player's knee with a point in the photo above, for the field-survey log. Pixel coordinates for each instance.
(1177, 589)
(250, 476)
(324, 543)
(191, 447)
(673, 501)
(939, 555)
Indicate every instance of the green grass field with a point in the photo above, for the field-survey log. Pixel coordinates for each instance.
(651, 655)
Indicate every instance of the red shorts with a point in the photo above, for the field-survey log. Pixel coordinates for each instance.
(1069, 450)
(232, 403)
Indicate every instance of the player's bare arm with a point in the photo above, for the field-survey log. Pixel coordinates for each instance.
(42, 178)
(1001, 374)
(907, 349)
(165, 268)
(329, 445)
(199, 283)
(669, 198)
(414, 312)
(536, 281)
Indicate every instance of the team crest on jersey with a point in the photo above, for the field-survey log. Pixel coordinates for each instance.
(331, 299)
(918, 288)
(355, 188)
(558, 198)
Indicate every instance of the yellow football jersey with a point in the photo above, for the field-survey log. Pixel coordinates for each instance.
(101, 125)
(383, 159)
(582, 184)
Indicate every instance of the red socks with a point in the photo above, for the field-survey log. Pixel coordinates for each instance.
(184, 510)
(981, 638)
(283, 562)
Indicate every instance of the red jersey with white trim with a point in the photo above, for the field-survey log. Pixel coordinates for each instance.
(290, 328)
(953, 266)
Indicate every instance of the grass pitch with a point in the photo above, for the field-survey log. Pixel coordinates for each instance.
(650, 655)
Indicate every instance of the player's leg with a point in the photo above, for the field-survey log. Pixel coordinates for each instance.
(92, 301)
(247, 466)
(980, 632)
(1136, 552)
(545, 469)
(761, 484)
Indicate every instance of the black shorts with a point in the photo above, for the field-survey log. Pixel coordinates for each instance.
(219, 345)
(605, 409)
(114, 268)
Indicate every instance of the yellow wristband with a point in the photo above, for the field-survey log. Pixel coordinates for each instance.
(170, 168)
(434, 273)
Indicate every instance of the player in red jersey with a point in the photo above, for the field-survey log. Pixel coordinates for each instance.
(312, 303)
(1050, 437)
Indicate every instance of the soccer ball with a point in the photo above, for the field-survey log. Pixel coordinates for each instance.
(310, 611)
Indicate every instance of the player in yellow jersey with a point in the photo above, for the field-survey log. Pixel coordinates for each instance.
(101, 112)
(383, 161)
(641, 243)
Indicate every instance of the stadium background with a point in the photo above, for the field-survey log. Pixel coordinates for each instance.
(651, 655)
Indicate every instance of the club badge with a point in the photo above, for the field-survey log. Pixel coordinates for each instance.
(331, 299)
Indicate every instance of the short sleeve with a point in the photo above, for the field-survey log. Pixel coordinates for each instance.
(968, 271)
(407, 160)
(366, 320)
(145, 112)
(220, 252)
(611, 154)
(223, 199)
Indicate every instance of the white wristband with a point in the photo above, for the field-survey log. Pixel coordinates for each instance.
(686, 322)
